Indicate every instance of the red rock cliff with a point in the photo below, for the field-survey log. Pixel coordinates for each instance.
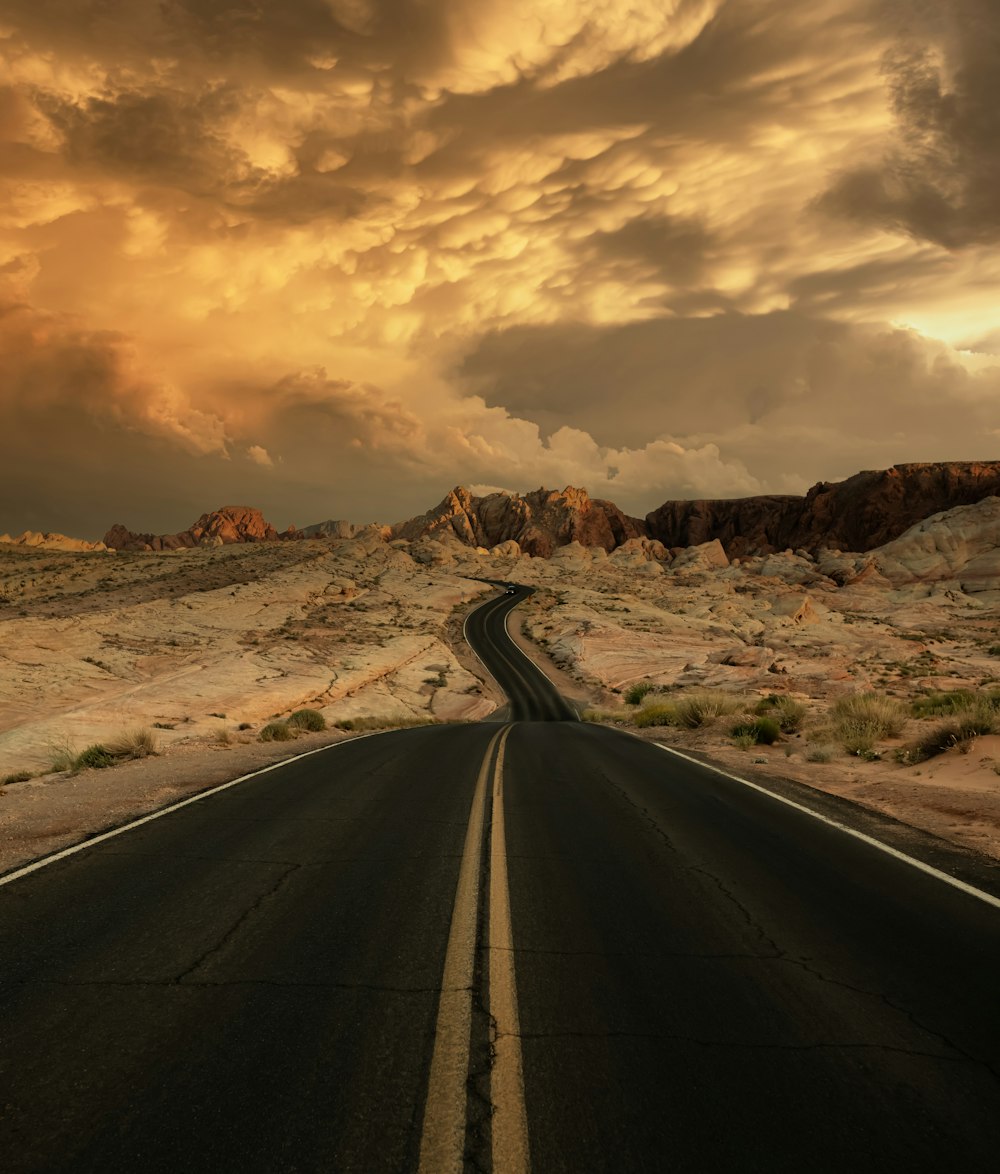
(863, 512)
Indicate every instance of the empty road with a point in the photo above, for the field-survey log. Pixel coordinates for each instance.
(527, 944)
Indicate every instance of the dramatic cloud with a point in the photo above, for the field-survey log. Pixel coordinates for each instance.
(333, 256)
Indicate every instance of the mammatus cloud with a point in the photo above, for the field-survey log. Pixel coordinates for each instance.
(337, 255)
(940, 170)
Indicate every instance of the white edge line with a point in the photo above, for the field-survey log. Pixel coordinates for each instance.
(929, 869)
(127, 827)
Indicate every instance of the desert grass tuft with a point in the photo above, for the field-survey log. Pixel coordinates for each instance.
(861, 719)
(308, 719)
(134, 743)
(698, 709)
(758, 730)
(276, 732)
(599, 716)
(95, 757)
(396, 721)
(663, 714)
(17, 776)
(635, 693)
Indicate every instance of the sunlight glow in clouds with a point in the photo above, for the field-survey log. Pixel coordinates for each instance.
(334, 257)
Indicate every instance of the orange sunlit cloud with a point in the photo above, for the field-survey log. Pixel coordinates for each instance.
(333, 256)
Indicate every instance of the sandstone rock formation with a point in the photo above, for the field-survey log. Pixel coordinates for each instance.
(865, 511)
(231, 523)
(53, 542)
(538, 522)
(962, 544)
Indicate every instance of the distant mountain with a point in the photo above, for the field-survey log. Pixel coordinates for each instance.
(859, 514)
(865, 511)
(231, 523)
(538, 522)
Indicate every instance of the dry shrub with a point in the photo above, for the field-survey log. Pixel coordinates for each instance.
(861, 719)
(698, 709)
(308, 719)
(664, 714)
(276, 732)
(396, 721)
(635, 693)
(136, 743)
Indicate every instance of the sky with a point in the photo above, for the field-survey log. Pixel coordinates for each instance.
(333, 257)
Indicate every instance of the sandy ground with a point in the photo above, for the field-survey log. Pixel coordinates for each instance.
(194, 644)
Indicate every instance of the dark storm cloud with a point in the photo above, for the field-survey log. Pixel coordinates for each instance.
(940, 178)
(749, 384)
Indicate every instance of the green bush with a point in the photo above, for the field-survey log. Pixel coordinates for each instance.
(635, 693)
(656, 715)
(95, 757)
(18, 776)
(276, 732)
(756, 731)
(308, 719)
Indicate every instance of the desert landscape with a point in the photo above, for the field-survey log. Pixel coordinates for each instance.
(873, 674)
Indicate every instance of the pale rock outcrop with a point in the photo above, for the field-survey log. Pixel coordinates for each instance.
(704, 557)
(53, 542)
(962, 544)
(508, 549)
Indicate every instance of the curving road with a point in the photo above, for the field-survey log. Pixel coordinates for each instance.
(532, 944)
(531, 696)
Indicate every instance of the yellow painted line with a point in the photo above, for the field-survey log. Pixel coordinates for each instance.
(510, 1121)
(442, 1140)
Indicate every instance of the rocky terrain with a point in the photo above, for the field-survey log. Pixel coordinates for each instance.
(204, 645)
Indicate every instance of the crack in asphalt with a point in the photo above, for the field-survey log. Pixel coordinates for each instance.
(207, 984)
(782, 955)
(237, 925)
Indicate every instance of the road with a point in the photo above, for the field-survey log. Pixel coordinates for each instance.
(512, 945)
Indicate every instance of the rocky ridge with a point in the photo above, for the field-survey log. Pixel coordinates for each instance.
(539, 522)
(48, 541)
(231, 523)
(861, 513)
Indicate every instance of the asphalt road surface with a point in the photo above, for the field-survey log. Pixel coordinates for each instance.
(526, 944)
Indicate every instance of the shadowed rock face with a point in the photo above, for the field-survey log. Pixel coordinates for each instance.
(539, 522)
(865, 511)
(232, 523)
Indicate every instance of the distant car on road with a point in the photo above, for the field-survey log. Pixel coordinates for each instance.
(511, 588)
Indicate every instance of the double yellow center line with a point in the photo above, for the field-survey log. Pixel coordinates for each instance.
(442, 1142)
